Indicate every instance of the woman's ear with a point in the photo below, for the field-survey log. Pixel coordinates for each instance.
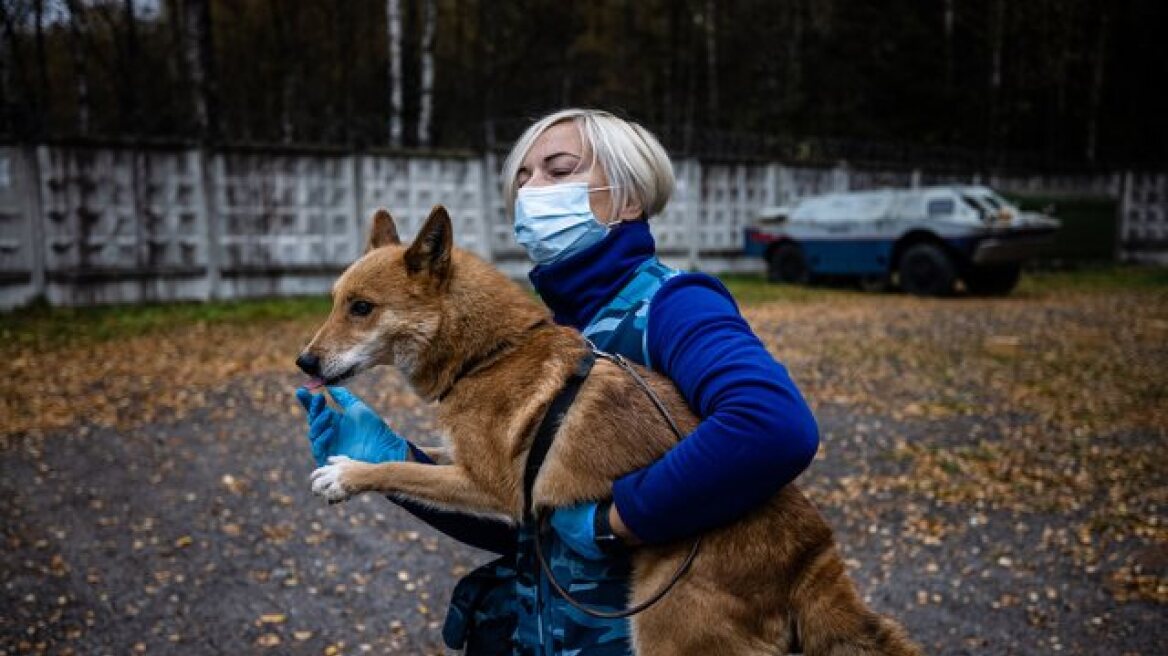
(632, 211)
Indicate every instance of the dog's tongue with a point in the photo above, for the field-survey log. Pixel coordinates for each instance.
(314, 384)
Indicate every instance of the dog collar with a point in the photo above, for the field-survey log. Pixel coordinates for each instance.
(481, 362)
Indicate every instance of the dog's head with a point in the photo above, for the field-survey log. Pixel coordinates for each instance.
(387, 306)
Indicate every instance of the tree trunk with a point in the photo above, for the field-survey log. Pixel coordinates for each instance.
(200, 64)
(131, 116)
(287, 63)
(5, 128)
(348, 63)
(997, 38)
(711, 63)
(949, 19)
(43, 102)
(1099, 66)
(485, 67)
(80, 71)
(393, 33)
(287, 101)
(691, 96)
(794, 72)
(426, 79)
(25, 121)
(671, 73)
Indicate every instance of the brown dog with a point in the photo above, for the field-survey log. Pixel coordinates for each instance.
(463, 334)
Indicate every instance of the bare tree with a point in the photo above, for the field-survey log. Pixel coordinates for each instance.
(77, 30)
(43, 101)
(1099, 66)
(285, 54)
(200, 63)
(426, 90)
(711, 61)
(949, 17)
(394, 35)
(997, 39)
(128, 72)
(794, 65)
(8, 69)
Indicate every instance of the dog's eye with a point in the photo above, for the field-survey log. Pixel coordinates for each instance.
(360, 308)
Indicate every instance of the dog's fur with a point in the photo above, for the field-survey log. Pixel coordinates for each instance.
(437, 308)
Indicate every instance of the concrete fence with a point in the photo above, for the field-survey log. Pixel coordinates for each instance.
(90, 225)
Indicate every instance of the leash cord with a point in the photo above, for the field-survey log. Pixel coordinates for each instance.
(681, 570)
(620, 614)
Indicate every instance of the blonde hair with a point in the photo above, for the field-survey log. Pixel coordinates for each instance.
(634, 162)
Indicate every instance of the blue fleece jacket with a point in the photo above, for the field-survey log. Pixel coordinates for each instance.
(757, 434)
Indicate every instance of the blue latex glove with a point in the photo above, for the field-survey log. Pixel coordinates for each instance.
(574, 526)
(358, 432)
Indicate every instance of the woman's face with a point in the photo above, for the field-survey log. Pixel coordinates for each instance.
(559, 155)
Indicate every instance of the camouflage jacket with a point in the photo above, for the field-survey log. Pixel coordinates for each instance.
(507, 606)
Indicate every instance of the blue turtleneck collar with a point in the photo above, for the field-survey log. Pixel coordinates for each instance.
(578, 286)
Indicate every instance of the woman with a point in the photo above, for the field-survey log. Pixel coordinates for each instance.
(581, 186)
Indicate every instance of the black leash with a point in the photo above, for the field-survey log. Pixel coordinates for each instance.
(542, 443)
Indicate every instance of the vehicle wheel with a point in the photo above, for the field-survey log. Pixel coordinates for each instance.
(925, 270)
(786, 263)
(993, 281)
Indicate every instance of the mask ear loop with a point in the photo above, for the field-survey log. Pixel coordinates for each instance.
(615, 220)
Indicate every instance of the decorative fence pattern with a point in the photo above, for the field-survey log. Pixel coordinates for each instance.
(1144, 216)
(81, 225)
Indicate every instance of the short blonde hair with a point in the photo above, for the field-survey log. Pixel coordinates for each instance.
(633, 160)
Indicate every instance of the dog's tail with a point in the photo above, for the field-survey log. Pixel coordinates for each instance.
(832, 619)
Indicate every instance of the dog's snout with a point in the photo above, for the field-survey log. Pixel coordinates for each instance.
(309, 364)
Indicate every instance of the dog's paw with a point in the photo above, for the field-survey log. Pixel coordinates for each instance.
(330, 481)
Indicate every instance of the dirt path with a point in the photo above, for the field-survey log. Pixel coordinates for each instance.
(997, 485)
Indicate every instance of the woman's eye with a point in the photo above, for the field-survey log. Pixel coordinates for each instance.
(360, 308)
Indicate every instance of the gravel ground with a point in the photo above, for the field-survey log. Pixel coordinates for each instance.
(191, 529)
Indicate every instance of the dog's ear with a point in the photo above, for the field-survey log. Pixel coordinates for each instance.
(383, 232)
(431, 250)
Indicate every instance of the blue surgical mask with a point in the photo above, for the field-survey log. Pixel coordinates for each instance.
(555, 221)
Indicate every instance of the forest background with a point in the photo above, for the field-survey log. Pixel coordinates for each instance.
(1052, 84)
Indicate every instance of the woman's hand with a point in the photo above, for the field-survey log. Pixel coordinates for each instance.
(576, 526)
(357, 431)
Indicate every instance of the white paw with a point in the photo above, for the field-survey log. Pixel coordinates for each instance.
(329, 481)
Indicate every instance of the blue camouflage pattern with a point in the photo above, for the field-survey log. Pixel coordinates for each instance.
(481, 618)
(621, 327)
(521, 597)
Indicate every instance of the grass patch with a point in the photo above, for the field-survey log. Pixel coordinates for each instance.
(755, 289)
(750, 289)
(1094, 279)
(42, 325)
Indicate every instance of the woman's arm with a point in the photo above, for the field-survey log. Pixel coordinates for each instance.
(492, 535)
(361, 434)
(757, 433)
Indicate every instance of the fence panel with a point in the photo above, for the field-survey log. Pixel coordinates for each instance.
(19, 258)
(409, 187)
(1144, 217)
(121, 225)
(731, 195)
(87, 225)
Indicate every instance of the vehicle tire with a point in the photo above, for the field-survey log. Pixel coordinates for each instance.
(786, 263)
(993, 281)
(925, 270)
